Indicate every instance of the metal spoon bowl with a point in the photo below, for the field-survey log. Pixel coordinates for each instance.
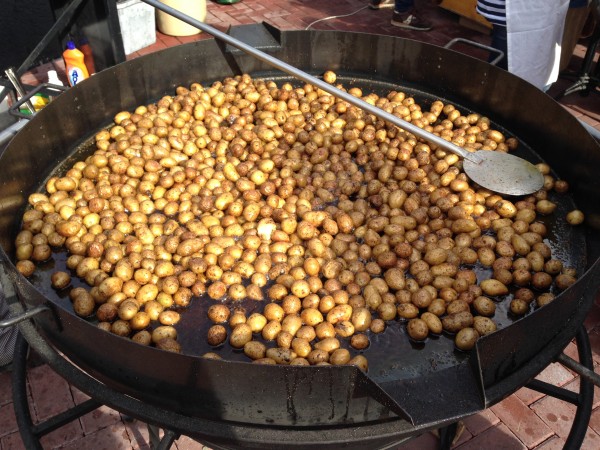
(508, 174)
(496, 171)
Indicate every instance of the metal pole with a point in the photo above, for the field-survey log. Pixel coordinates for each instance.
(58, 26)
(12, 76)
(586, 373)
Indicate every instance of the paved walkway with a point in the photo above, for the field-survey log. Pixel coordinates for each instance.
(525, 420)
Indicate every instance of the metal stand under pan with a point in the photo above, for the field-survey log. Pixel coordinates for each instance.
(219, 435)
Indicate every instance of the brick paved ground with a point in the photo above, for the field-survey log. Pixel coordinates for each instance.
(525, 420)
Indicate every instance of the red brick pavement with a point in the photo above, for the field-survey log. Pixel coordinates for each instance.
(525, 420)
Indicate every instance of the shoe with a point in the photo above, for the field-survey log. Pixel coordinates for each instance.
(381, 4)
(409, 21)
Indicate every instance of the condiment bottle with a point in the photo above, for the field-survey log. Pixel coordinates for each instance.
(75, 64)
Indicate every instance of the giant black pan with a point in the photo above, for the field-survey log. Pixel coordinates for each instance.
(413, 388)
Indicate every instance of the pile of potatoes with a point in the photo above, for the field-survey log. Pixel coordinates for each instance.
(335, 221)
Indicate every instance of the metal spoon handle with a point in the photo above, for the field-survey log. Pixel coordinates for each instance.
(291, 70)
(12, 76)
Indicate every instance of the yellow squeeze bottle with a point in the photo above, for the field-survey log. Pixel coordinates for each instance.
(75, 65)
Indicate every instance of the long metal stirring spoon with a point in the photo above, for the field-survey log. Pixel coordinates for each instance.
(497, 171)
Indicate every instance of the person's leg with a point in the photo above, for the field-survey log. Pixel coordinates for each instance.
(403, 6)
(405, 16)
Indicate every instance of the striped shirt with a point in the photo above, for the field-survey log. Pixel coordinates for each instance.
(493, 10)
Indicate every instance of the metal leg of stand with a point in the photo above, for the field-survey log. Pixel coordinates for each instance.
(19, 390)
(30, 432)
(447, 435)
(584, 399)
(156, 443)
(580, 369)
(153, 436)
(147, 413)
(586, 394)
